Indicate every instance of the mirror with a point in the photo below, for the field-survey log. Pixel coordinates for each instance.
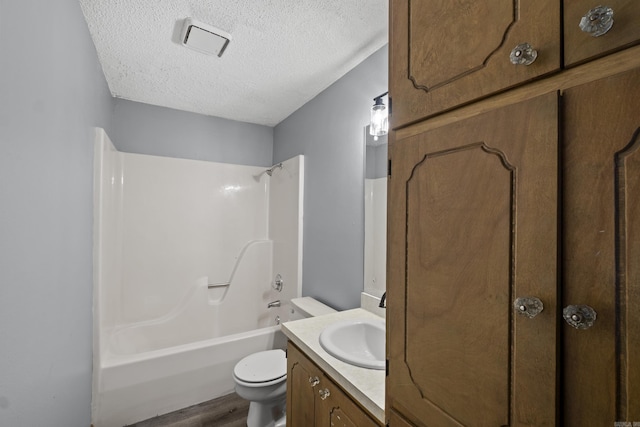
(375, 214)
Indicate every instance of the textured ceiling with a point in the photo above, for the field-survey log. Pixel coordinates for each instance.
(282, 52)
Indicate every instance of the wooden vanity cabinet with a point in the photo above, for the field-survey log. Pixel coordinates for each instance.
(580, 46)
(313, 399)
(303, 379)
(448, 53)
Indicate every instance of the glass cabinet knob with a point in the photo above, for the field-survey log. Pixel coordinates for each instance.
(528, 306)
(314, 381)
(597, 21)
(579, 316)
(324, 393)
(523, 54)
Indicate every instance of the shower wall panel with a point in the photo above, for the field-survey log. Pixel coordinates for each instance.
(184, 220)
(375, 236)
(285, 224)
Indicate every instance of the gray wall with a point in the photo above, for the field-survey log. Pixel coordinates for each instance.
(329, 131)
(52, 92)
(148, 129)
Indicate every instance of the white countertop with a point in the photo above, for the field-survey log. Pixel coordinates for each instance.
(365, 385)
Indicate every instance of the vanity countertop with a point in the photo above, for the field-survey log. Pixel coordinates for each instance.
(365, 385)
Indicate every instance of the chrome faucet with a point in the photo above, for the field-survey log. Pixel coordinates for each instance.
(275, 303)
(383, 303)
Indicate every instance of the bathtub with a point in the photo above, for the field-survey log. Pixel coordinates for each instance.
(186, 356)
(185, 256)
(137, 386)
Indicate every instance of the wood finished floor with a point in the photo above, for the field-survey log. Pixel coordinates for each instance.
(225, 411)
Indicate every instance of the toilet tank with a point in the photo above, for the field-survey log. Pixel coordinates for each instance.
(304, 307)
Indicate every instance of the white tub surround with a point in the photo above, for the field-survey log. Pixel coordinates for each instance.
(365, 385)
(375, 235)
(185, 256)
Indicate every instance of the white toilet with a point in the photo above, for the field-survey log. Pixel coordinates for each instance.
(261, 377)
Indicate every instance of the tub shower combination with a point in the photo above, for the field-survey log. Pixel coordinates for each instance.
(187, 257)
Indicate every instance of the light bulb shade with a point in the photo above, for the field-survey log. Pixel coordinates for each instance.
(379, 119)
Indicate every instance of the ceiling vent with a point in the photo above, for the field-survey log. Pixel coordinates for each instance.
(204, 38)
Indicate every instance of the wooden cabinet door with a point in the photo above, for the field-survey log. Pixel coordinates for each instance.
(601, 247)
(313, 399)
(447, 53)
(301, 388)
(580, 46)
(473, 226)
(395, 420)
(338, 410)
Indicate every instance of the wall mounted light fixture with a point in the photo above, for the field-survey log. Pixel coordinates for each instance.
(379, 117)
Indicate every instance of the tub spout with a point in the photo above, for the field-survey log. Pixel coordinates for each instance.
(275, 303)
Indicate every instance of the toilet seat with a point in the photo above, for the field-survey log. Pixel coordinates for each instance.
(261, 368)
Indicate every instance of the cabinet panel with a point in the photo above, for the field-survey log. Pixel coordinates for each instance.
(474, 226)
(313, 399)
(448, 216)
(581, 46)
(301, 389)
(444, 54)
(396, 420)
(601, 245)
(338, 410)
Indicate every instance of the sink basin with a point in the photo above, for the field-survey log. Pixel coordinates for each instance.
(357, 342)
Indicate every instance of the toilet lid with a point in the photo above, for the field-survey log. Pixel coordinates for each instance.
(262, 366)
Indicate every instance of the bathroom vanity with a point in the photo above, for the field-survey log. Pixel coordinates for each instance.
(322, 390)
(313, 399)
